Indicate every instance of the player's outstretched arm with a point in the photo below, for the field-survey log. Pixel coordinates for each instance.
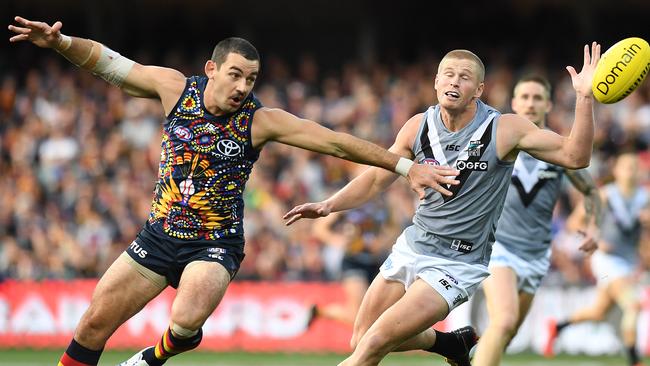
(573, 151)
(281, 126)
(373, 181)
(135, 79)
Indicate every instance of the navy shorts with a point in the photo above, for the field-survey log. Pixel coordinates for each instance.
(168, 256)
(364, 265)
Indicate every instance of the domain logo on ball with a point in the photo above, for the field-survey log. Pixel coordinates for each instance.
(621, 70)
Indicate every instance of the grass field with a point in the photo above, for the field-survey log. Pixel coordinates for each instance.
(49, 358)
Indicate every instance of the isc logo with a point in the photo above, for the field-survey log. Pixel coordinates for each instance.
(452, 147)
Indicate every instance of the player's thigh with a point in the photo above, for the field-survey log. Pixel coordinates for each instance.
(381, 295)
(420, 308)
(120, 293)
(201, 288)
(501, 294)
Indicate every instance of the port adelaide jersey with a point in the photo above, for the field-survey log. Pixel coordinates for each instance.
(460, 227)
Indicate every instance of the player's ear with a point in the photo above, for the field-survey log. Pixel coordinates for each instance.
(479, 90)
(210, 68)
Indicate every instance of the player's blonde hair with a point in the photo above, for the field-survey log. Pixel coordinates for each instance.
(466, 55)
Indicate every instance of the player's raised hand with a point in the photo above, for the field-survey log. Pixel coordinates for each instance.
(438, 177)
(582, 81)
(307, 211)
(39, 33)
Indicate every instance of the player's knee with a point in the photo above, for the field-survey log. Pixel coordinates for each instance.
(188, 319)
(357, 333)
(377, 343)
(599, 314)
(505, 325)
(94, 327)
(191, 324)
(354, 341)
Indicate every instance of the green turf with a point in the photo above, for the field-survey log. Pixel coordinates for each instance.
(49, 358)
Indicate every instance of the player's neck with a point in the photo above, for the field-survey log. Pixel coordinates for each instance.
(456, 120)
(627, 188)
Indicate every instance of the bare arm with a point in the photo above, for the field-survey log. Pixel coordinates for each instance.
(584, 183)
(137, 80)
(278, 125)
(367, 185)
(573, 151)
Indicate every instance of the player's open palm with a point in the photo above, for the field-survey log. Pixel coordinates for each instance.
(307, 211)
(39, 33)
(582, 81)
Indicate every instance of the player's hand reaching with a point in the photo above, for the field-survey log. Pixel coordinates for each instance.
(582, 81)
(39, 33)
(438, 177)
(307, 211)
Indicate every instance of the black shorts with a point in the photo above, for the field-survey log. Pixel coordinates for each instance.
(364, 265)
(168, 256)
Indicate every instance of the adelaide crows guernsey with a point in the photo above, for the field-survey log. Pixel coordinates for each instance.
(204, 165)
(460, 227)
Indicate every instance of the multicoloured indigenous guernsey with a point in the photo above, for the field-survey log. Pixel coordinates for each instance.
(525, 224)
(204, 165)
(461, 227)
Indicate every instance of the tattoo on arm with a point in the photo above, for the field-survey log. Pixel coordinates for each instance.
(583, 182)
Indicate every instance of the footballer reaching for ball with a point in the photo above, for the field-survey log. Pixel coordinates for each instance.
(439, 261)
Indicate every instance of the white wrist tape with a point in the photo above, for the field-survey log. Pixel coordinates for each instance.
(64, 43)
(112, 67)
(403, 166)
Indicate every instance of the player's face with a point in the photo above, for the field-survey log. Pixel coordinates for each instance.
(232, 81)
(457, 83)
(530, 101)
(626, 169)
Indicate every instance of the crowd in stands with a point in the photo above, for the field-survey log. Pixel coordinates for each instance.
(79, 161)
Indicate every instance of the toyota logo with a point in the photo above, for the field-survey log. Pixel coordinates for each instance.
(228, 147)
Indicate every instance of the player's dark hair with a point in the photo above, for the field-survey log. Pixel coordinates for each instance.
(234, 45)
(539, 79)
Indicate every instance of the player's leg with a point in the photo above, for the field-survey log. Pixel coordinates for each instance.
(381, 295)
(595, 312)
(121, 292)
(201, 288)
(419, 308)
(623, 291)
(354, 288)
(503, 305)
(525, 303)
